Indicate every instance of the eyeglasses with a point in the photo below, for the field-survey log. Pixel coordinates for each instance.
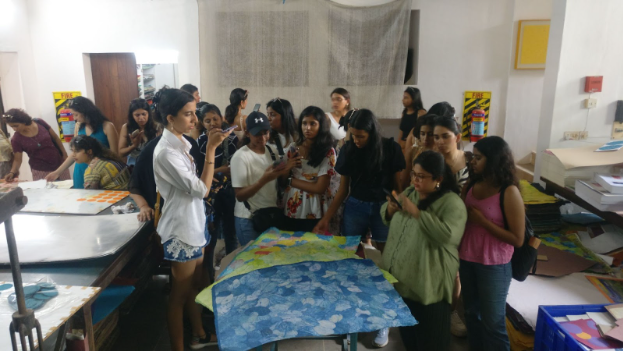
(275, 99)
(71, 103)
(419, 176)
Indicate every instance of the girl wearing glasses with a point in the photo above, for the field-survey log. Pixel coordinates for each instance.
(233, 112)
(37, 139)
(91, 122)
(413, 109)
(422, 249)
(487, 246)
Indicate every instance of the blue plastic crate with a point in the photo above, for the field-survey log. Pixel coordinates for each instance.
(549, 335)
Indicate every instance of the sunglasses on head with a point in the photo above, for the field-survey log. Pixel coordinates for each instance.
(7, 117)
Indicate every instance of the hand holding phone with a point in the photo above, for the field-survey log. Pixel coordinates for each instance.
(391, 196)
(257, 107)
(229, 129)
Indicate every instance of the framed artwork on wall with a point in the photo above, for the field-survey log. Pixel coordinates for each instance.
(532, 38)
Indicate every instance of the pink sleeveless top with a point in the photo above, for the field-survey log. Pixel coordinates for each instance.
(478, 245)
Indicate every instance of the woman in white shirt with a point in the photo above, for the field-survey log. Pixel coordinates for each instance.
(309, 194)
(254, 175)
(182, 224)
(340, 103)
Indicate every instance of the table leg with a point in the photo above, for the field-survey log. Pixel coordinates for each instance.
(60, 339)
(84, 320)
(353, 342)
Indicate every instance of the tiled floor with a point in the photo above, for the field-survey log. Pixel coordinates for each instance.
(144, 329)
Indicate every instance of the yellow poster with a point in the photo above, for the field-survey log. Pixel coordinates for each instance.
(472, 99)
(65, 119)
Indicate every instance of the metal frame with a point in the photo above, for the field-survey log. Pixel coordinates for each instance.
(346, 339)
(24, 320)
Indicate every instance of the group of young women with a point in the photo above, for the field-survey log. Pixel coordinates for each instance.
(432, 209)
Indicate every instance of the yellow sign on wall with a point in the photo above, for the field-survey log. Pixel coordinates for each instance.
(472, 99)
(64, 118)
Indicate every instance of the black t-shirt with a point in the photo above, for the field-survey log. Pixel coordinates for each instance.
(143, 182)
(366, 186)
(407, 123)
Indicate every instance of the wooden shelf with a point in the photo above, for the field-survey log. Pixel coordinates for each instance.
(612, 217)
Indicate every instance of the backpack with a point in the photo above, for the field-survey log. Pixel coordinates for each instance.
(524, 258)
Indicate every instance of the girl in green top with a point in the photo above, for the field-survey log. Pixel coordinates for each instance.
(422, 249)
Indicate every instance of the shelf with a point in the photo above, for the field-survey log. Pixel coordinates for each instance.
(612, 217)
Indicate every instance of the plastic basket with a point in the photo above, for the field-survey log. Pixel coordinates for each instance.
(549, 335)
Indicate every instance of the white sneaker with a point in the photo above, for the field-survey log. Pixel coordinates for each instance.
(457, 327)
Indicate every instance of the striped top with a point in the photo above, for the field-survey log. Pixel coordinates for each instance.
(462, 177)
(106, 174)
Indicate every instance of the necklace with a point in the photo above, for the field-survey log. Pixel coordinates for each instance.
(35, 140)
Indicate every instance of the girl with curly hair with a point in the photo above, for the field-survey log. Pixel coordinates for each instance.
(488, 243)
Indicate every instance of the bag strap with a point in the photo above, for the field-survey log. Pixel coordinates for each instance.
(157, 213)
(38, 121)
(272, 154)
(279, 148)
(225, 146)
(502, 191)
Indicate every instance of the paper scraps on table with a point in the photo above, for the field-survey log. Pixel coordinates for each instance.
(611, 288)
(585, 331)
(616, 311)
(560, 263)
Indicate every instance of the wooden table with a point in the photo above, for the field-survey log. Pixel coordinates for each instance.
(553, 188)
(98, 272)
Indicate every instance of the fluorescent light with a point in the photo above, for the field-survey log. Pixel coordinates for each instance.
(7, 9)
(155, 56)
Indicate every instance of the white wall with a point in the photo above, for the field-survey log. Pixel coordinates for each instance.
(591, 45)
(525, 87)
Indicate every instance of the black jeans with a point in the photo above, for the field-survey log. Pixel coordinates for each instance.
(433, 329)
(224, 204)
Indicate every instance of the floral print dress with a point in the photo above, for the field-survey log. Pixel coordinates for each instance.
(302, 205)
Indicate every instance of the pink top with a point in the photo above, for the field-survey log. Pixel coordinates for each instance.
(478, 245)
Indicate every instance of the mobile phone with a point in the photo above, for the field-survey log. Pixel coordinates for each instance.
(228, 129)
(391, 196)
(294, 149)
(257, 107)
(278, 163)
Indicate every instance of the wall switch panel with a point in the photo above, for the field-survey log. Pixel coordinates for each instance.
(590, 103)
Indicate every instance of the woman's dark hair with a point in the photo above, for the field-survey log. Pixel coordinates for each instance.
(365, 120)
(150, 128)
(323, 142)
(207, 108)
(500, 167)
(236, 98)
(443, 109)
(288, 121)
(426, 120)
(84, 142)
(344, 93)
(434, 163)
(189, 88)
(448, 123)
(169, 101)
(200, 116)
(416, 100)
(17, 115)
(94, 117)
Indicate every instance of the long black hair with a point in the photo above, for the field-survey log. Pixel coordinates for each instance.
(236, 97)
(84, 142)
(365, 120)
(284, 108)
(443, 109)
(169, 101)
(434, 163)
(323, 142)
(150, 128)
(93, 115)
(500, 167)
(416, 100)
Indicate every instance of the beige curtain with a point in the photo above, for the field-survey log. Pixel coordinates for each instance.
(302, 50)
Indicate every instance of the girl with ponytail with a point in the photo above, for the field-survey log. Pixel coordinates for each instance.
(233, 112)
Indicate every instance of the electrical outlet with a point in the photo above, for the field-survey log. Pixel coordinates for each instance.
(576, 135)
(590, 103)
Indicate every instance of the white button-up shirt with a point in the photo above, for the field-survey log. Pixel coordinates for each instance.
(183, 215)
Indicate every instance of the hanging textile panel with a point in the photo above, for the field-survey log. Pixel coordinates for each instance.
(301, 50)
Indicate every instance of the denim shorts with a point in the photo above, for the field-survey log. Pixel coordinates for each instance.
(361, 216)
(178, 251)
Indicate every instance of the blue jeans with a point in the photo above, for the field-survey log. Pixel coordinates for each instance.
(359, 216)
(245, 231)
(484, 290)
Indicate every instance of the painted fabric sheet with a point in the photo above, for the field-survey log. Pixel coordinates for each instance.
(275, 248)
(305, 300)
(71, 201)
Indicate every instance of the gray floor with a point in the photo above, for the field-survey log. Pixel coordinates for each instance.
(144, 329)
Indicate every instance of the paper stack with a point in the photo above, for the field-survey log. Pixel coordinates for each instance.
(597, 330)
(565, 166)
(596, 195)
(612, 183)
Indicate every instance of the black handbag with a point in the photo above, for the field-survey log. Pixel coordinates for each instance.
(524, 258)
